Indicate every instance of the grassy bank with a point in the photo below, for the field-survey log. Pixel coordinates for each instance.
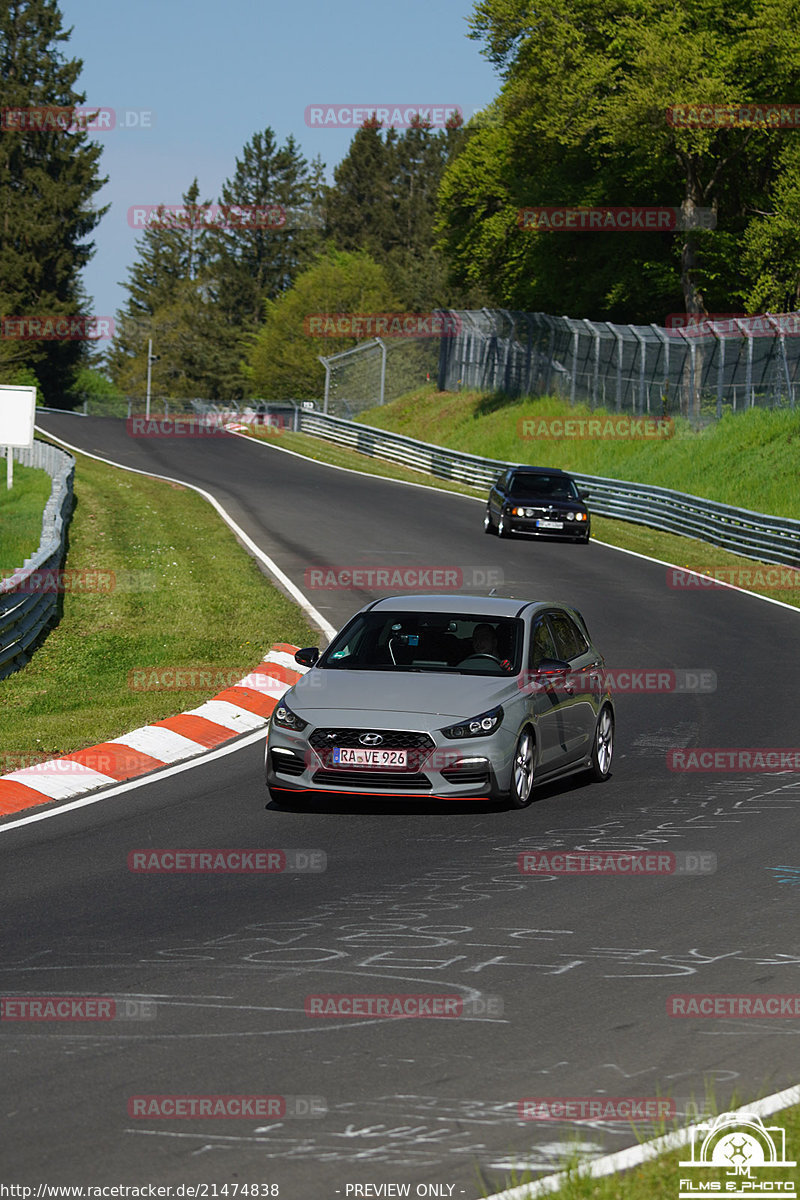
(184, 595)
(751, 460)
(21, 515)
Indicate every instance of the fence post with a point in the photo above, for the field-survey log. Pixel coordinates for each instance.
(574, 366)
(784, 361)
(642, 363)
(618, 338)
(662, 336)
(720, 367)
(749, 397)
(382, 345)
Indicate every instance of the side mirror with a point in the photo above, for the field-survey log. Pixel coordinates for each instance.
(584, 495)
(307, 657)
(552, 666)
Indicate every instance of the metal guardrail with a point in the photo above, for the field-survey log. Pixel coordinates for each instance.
(25, 610)
(751, 534)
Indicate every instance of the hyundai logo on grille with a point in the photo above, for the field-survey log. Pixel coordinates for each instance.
(370, 739)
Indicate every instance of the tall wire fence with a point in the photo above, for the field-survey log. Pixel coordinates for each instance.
(378, 371)
(697, 371)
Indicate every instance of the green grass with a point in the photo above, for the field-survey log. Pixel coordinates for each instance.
(751, 460)
(198, 600)
(659, 1179)
(21, 515)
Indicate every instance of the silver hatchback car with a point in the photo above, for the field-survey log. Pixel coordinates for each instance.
(451, 697)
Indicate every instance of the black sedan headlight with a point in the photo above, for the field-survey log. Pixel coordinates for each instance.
(480, 726)
(283, 716)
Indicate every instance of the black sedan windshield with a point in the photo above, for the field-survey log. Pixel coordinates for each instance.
(542, 487)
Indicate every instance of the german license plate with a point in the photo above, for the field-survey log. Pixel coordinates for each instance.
(550, 524)
(343, 757)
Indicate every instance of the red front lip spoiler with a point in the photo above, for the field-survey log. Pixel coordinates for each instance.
(333, 791)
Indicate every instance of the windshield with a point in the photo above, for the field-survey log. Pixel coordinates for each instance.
(542, 487)
(420, 641)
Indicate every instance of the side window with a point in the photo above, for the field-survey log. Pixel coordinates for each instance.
(542, 645)
(570, 642)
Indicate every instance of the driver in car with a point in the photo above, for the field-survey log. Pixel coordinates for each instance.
(484, 640)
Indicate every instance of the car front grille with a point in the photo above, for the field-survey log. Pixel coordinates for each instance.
(393, 739)
(390, 781)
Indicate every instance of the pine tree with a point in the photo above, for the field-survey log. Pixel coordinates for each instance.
(383, 201)
(360, 205)
(166, 300)
(266, 230)
(48, 177)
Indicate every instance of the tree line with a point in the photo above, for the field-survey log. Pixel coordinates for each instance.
(599, 105)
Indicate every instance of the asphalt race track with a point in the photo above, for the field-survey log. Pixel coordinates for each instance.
(416, 898)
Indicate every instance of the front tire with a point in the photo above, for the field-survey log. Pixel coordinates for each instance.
(522, 771)
(502, 529)
(603, 748)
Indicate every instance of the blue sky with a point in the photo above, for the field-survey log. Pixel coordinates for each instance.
(214, 72)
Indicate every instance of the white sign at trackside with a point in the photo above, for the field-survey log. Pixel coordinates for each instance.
(17, 411)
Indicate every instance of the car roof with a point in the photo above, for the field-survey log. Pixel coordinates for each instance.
(486, 606)
(540, 471)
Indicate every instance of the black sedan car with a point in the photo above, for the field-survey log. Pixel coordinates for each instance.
(539, 501)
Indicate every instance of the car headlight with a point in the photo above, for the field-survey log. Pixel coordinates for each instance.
(480, 726)
(283, 716)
